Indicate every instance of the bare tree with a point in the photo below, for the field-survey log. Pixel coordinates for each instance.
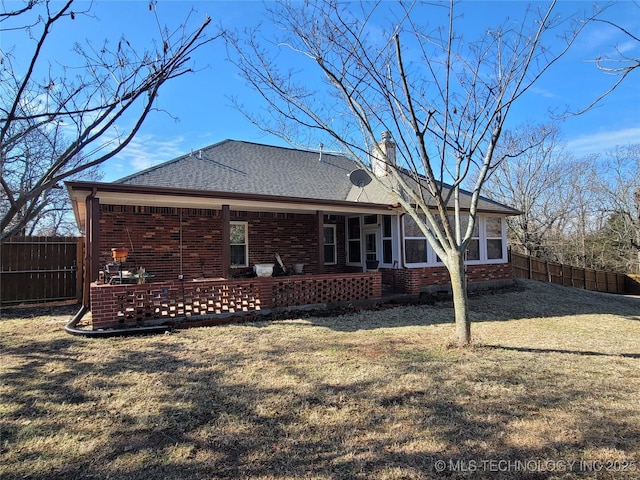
(620, 64)
(542, 180)
(24, 165)
(575, 232)
(617, 184)
(91, 109)
(444, 98)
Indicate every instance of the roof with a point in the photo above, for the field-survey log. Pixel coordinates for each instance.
(263, 170)
(244, 167)
(251, 177)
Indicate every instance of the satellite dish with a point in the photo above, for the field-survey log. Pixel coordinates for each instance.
(360, 178)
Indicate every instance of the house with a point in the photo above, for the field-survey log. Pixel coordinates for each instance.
(199, 225)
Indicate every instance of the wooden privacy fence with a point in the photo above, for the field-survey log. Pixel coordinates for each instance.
(40, 269)
(585, 278)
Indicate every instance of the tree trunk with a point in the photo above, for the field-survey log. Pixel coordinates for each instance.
(460, 302)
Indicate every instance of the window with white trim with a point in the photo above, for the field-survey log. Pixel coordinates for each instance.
(370, 220)
(330, 250)
(473, 247)
(487, 243)
(387, 240)
(495, 250)
(238, 233)
(415, 243)
(354, 247)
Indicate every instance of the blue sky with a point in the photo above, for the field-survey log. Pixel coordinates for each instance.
(205, 115)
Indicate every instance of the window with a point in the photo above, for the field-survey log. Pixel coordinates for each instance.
(473, 247)
(494, 238)
(330, 245)
(387, 242)
(353, 240)
(485, 245)
(239, 244)
(415, 243)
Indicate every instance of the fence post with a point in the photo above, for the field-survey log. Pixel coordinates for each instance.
(546, 266)
(571, 275)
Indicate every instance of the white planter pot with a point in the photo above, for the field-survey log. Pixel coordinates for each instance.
(263, 269)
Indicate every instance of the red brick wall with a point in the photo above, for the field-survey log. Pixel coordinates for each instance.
(412, 280)
(136, 305)
(491, 271)
(153, 234)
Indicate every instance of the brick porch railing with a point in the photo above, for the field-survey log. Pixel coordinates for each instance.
(131, 305)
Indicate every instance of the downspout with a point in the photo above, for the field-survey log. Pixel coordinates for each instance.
(110, 332)
(88, 254)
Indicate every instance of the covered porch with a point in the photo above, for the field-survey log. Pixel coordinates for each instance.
(195, 253)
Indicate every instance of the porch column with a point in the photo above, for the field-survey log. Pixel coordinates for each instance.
(92, 232)
(320, 232)
(226, 241)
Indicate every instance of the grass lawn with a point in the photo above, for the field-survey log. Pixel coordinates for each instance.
(551, 389)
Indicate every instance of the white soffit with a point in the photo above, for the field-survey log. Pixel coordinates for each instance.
(179, 201)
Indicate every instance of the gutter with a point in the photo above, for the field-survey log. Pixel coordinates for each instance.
(71, 329)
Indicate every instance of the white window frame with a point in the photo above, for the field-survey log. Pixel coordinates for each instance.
(479, 227)
(428, 249)
(334, 244)
(503, 238)
(388, 238)
(348, 241)
(481, 223)
(246, 243)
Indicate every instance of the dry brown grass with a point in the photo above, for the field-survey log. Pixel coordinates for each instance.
(554, 377)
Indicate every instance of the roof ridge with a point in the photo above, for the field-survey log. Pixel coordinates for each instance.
(294, 149)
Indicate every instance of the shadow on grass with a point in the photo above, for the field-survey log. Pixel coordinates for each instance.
(534, 300)
(200, 404)
(563, 351)
(35, 310)
(186, 406)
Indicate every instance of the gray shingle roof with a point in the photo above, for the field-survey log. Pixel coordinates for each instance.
(251, 168)
(244, 167)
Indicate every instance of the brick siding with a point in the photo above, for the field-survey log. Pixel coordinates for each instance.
(153, 236)
(413, 280)
(175, 302)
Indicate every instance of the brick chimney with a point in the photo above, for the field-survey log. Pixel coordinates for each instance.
(384, 157)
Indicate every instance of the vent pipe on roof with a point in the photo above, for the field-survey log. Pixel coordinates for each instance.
(321, 145)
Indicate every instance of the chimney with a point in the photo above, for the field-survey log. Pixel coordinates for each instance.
(384, 157)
